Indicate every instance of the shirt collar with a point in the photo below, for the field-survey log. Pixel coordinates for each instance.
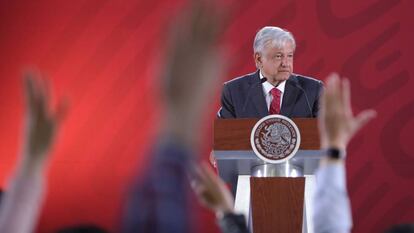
(267, 87)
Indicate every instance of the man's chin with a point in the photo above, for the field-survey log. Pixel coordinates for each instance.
(283, 77)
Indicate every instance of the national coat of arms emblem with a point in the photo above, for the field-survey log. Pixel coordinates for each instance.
(275, 139)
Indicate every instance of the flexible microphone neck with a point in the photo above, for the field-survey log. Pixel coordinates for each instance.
(306, 96)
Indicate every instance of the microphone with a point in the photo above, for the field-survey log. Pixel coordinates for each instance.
(306, 96)
(262, 80)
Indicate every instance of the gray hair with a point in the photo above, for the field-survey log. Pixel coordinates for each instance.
(275, 36)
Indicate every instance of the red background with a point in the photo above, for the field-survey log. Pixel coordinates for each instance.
(103, 55)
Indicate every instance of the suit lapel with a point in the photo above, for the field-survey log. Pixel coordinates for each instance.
(289, 97)
(257, 98)
(259, 101)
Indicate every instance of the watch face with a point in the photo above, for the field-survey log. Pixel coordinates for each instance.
(275, 139)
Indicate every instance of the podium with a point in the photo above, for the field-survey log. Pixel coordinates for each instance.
(273, 197)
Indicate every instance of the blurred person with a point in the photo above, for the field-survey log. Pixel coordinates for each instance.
(337, 125)
(273, 88)
(159, 199)
(21, 203)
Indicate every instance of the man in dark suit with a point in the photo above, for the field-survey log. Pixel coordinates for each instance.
(273, 88)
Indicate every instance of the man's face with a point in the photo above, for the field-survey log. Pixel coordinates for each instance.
(276, 64)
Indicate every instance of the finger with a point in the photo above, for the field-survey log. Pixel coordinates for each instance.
(193, 171)
(36, 106)
(208, 178)
(331, 92)
(364, 117)
(207, 170)
(346, 97)
(336, 88)
(212, 177)
(199, 175)
(197, 186)
(62, 110)
(30, 94)
(331, 81)
(40, 87)
(212, 160)
(46, 92)
(195, 181)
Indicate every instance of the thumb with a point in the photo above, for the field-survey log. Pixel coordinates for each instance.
(364, 117)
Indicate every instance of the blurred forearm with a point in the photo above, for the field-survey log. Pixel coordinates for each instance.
(332, 210)
(23, 199)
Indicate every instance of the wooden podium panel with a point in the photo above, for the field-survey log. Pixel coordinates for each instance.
(277, 204)
(234, 134)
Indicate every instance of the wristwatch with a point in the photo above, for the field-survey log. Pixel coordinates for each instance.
(335, 153)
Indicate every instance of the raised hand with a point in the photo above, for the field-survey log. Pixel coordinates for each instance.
(40, 124)
(337, 123)
(211, 190)
(193, 68)
(20, 209)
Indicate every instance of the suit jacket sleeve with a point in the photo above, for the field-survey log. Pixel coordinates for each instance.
(227, 107)
(318, 95)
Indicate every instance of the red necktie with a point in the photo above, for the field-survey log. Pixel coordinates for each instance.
(275, 104)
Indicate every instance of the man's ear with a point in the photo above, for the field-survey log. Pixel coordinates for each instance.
(257, 60)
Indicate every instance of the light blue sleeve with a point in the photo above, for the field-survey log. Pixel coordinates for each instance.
(332, 211)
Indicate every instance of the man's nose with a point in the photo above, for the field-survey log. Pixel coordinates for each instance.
(284, 61)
